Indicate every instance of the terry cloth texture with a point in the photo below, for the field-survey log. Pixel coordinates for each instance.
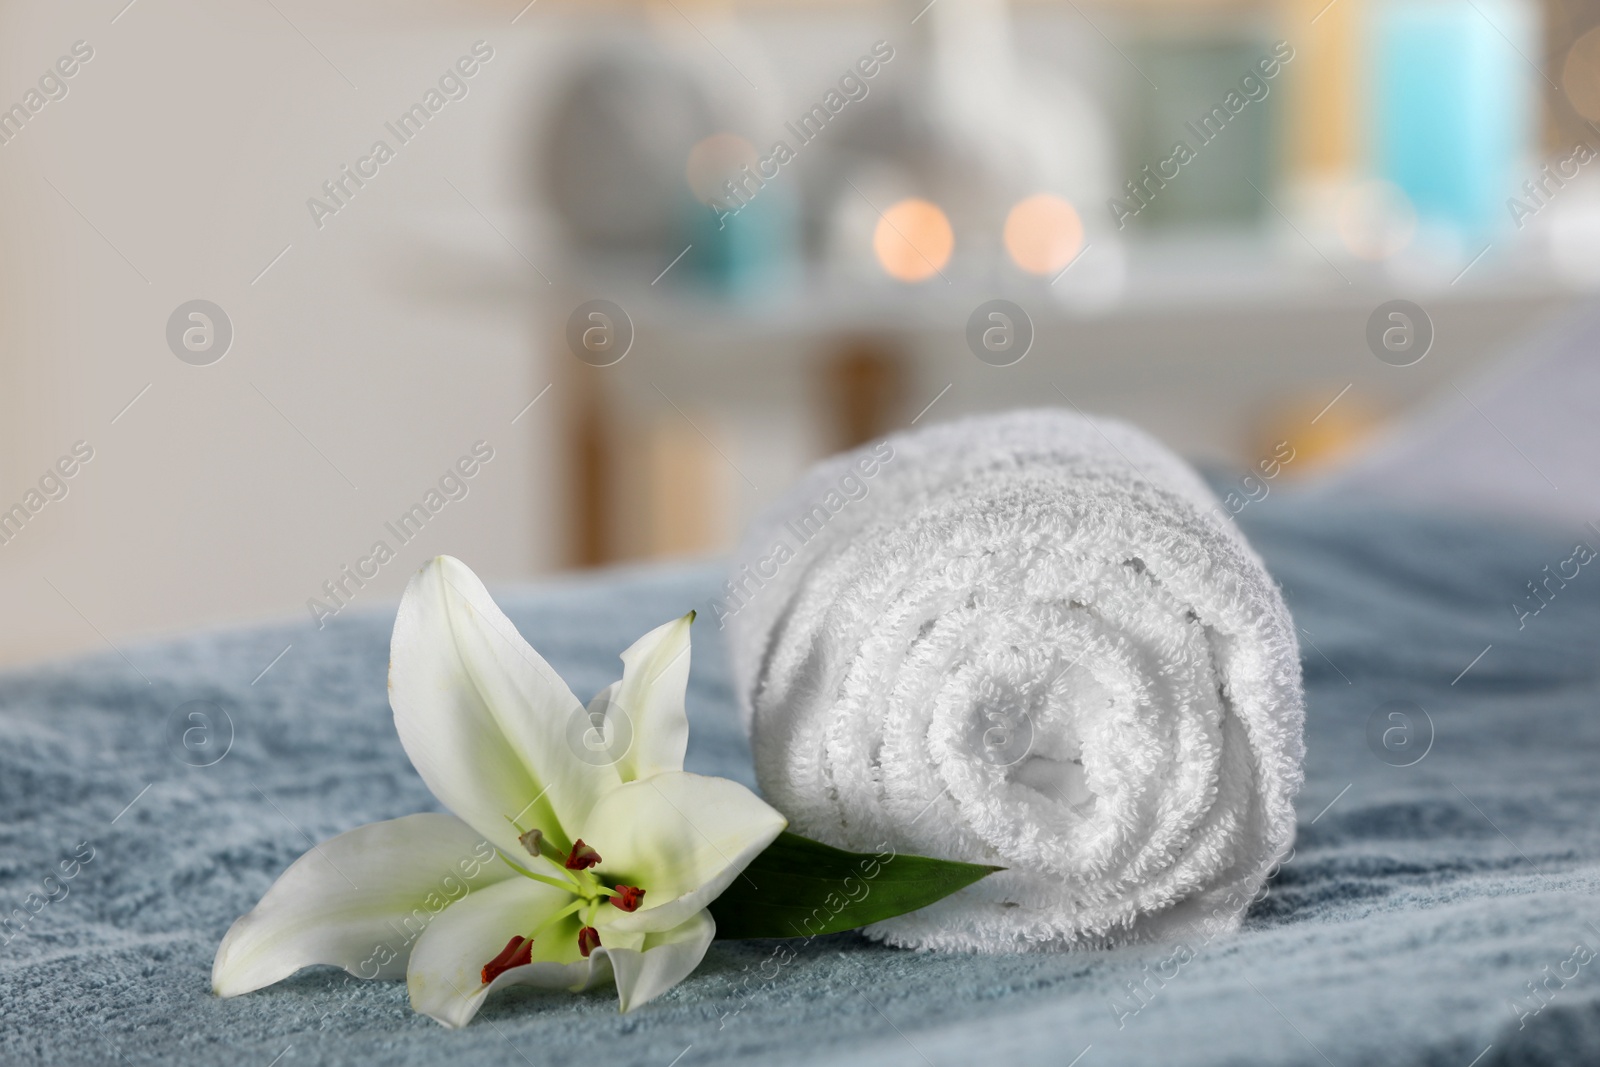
(1035, 641)
(1406, 928)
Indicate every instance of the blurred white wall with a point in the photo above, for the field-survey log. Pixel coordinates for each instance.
(178, 166)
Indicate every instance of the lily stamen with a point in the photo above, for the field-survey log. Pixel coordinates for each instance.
(576, 905)
(588, 940)
(567, 882)
(582, 857)
(627, 898)
(518, 951)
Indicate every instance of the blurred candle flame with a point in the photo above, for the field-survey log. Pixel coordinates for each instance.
(913, 240)
(1043, 233)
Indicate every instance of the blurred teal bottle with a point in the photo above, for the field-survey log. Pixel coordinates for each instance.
(747, 255)
(1454, 109)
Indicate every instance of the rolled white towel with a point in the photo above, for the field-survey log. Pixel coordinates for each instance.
(1031, 640)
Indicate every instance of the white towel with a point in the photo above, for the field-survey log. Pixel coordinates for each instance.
(1032, 640)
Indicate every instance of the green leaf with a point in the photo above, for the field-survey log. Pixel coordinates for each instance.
(801, 888)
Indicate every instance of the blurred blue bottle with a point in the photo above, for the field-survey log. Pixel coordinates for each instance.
(1454, 107)
(749, 253)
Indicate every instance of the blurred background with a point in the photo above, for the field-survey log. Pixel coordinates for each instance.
(276, 275)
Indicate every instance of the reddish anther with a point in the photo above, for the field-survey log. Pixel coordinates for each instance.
(628, 898)
(581, 858)
(588, 940)
(518, 951)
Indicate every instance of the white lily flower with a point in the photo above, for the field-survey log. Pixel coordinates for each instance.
(560, 867)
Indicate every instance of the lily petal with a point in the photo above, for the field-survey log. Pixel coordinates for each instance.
(609, 737)
(445, 974)
(485, 720)
(666, 959)
(358, 901)
(681, 837)
(655, 675)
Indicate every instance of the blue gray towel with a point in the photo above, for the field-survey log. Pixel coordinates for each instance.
(1441, 901)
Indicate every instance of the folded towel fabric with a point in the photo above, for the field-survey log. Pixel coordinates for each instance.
(1032, 640)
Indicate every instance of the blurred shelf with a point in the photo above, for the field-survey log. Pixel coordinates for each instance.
(1157, 278)
(1227, 274)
